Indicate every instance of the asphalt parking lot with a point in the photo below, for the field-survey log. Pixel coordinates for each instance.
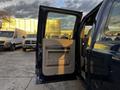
(17, 72)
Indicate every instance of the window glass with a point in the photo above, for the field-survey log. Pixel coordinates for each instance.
(60, 26)
(111, 32)
(6, 34)
(31, 36)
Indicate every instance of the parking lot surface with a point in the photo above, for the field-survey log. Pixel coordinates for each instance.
(17, 72)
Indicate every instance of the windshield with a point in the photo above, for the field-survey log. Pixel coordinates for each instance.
(31, 36)
(6, 33)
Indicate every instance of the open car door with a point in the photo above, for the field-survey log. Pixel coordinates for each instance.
(56, 41)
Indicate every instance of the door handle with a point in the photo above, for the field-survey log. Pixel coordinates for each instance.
(116, 58)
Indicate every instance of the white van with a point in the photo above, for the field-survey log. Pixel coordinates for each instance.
(29, 42)
(11, 39)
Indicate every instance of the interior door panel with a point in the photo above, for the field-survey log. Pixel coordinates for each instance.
(58, 56)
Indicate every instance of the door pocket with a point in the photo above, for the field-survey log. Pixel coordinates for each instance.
(57, 57)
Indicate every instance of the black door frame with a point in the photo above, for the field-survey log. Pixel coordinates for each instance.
(43, 12)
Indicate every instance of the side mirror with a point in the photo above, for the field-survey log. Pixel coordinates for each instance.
(23, 37)
(15, 37)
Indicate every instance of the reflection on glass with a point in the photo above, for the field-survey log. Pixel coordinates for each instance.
(60, 26)
(111, 32)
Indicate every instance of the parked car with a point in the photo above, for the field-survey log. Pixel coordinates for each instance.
(11, 39)
(29, 42)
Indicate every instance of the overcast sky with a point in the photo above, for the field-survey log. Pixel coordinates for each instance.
(29, 8)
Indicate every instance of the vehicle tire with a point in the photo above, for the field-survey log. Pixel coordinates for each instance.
(12, 47)
(24, 49)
